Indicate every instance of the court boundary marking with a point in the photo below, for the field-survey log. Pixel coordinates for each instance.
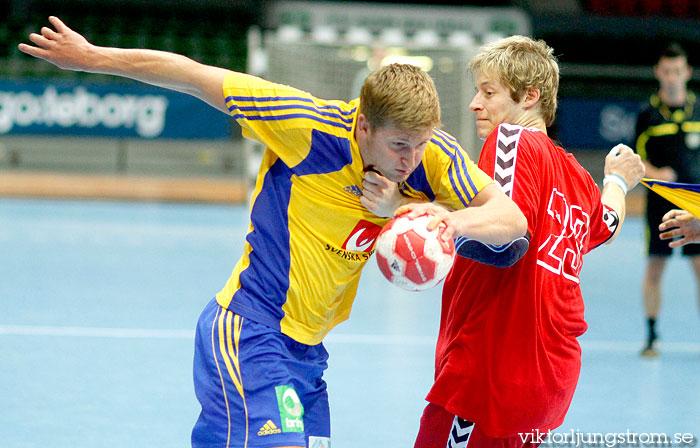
(340, 338)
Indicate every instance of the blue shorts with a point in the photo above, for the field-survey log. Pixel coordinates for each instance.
(257, 386)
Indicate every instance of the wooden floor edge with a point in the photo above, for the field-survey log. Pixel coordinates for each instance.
(144, 188)
(127, 187)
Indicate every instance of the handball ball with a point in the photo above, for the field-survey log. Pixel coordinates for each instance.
(412, 257)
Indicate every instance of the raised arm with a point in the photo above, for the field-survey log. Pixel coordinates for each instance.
(491, 217)
(69, 50)
(623, 171)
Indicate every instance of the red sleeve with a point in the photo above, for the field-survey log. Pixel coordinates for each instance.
(604, 220)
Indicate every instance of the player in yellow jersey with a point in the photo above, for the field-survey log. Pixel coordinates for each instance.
(316, 210)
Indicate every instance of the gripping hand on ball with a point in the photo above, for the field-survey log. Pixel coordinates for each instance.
(439, 214)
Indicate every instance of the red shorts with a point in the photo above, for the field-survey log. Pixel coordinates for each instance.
(438, 427)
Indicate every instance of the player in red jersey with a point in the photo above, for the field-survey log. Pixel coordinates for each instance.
(507, 359)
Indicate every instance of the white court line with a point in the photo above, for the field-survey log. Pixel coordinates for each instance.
(379, 339)
(339, 338)
(135, 333)
(94, 332)
(627, 346)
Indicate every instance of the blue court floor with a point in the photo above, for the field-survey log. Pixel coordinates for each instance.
(99, 302)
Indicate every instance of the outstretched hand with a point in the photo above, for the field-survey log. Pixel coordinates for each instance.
(62, 47)
(69, 50)
(680, 224)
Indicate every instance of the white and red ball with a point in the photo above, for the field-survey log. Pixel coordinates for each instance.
(412, 257)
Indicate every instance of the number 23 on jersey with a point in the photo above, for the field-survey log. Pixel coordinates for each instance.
(561, 252)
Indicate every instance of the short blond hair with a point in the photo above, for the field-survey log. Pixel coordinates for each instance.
(401, 95)
(522, 63)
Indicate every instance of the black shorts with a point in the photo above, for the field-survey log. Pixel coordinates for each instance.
(657, 207)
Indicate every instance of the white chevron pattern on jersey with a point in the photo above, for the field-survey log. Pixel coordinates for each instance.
(506, 151)
(460, 433)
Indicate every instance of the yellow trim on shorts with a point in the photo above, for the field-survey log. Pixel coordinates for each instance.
(221, 377)
(229, 339)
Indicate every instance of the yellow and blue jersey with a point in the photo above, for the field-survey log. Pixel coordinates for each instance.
(309, 235)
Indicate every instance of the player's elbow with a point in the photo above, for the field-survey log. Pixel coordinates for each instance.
(507, 226)
(516, 224)
(520, 224)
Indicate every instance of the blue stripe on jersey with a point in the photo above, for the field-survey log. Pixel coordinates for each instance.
(419, 182)
(291, 116)
(266, 279)
(267, 275)
(316, 107)
(458, 166)
(291, 106)
(255, 99)
(452, 143)
(327, 154)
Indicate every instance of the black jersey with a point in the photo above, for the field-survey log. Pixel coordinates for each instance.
(670, 136)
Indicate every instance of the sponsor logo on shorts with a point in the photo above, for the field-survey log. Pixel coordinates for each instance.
(269, 428)
(291, 409)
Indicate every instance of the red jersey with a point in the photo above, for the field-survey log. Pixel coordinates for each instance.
(507, 357)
